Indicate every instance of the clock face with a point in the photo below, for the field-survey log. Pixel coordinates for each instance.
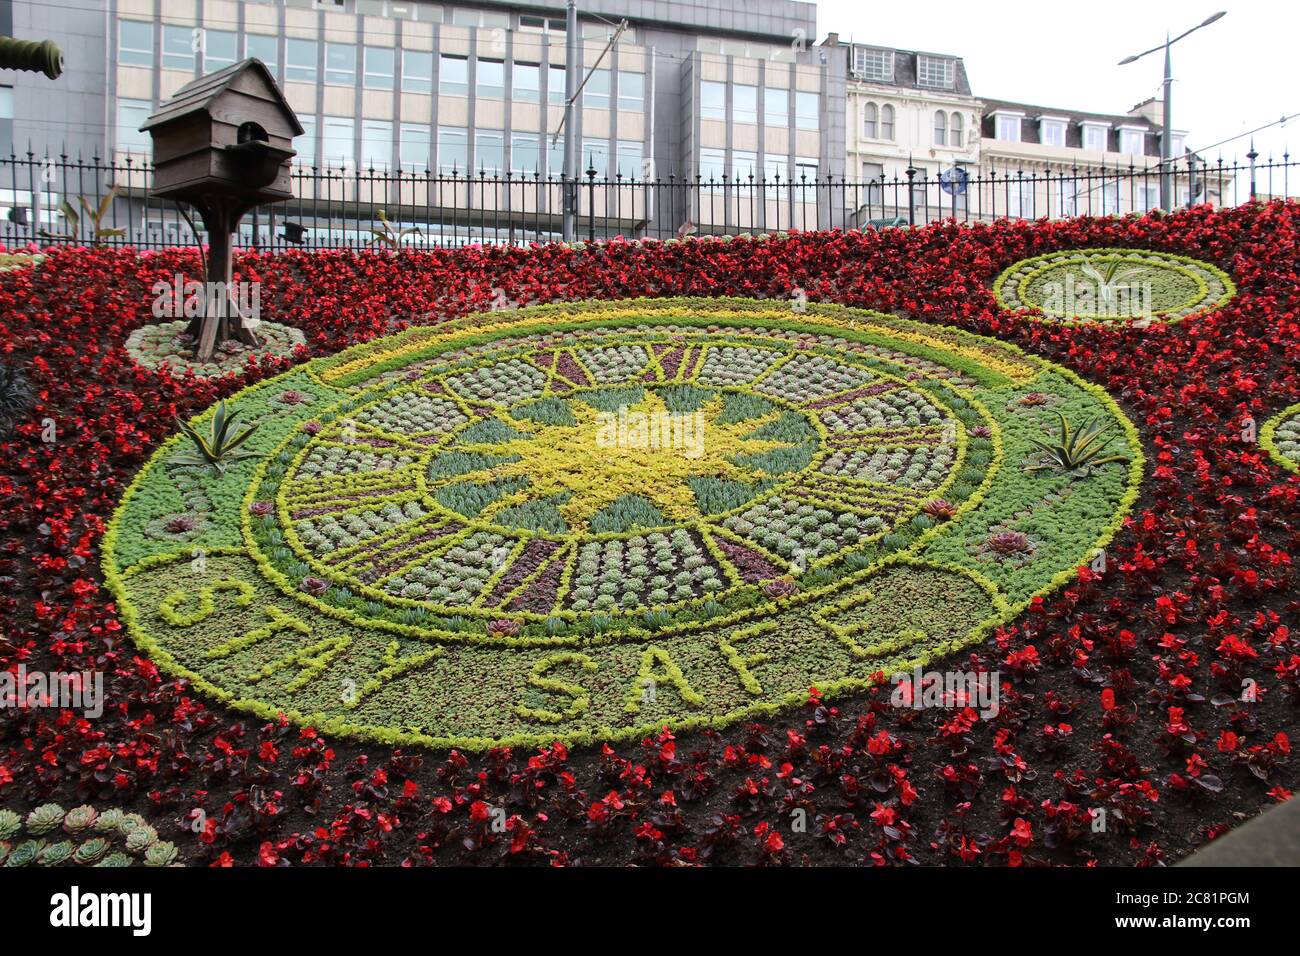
(587, 521)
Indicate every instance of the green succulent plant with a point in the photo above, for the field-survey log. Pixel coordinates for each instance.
(1076, 451)
(44, 819)
(79, 819)
(217, 449)
(122, 839)
(10, 824)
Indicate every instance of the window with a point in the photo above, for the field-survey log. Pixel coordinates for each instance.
(413, 146)
(1052, 132)
(1020, 198)
(555, 80)
(1006, 127)
(555, 156)
(220, 49)
(417, 72)
(341, 64)
(338, 145)
(490, 79)
(776, 169)
(1179, 145)
(1132, 142)
(453, 150)
(744, 167)
(744, 104)
(453, 76)
(489, 150)
(596, 93)
(955, 130)
(595, 155)
(887, 122)
(940, 128)
(524, 157)
(1067, 197)
(1110, 199)
(131, 114)
(631, 91)
(264, 48)
(526, 82)
(776, 107)
(713, 165)
(306, 143)
(713, 100)
(870, 121)
(134, 43)
(376, 144)
(807, 106)
(178, 44)
(462, 16)
(875, 65)
(540, 25)
(300, 60)
(630, 164)
(873, 177)
(934, 71)
(1148, 197)
(381, 65)
(805, 169)
(1095, 137)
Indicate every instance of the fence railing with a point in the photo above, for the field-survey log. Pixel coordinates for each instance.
(62, 200)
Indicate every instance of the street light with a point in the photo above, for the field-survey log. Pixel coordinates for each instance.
(1167, 140)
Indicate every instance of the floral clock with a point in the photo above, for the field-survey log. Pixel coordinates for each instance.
(584, 522)
(1113, 285)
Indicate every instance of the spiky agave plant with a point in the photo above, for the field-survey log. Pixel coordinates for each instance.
(217, 449)
(1076, 451)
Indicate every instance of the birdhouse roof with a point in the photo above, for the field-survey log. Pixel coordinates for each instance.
(198, 96)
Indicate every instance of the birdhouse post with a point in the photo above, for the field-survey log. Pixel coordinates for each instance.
(223, 144)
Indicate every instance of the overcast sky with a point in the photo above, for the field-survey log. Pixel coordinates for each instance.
(1229, 78)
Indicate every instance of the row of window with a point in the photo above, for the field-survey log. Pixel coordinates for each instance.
(878, 123)
(1092, 135)
(414, 146)
(744, 105)
(181, 47)
(744, 166)
(936, 72)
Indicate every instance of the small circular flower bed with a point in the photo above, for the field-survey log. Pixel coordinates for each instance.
(165, 343)
(1113, 285)
(586, 522)
(18, 260)
(1281, 436)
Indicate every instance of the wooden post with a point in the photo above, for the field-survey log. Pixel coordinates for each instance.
(222, 317)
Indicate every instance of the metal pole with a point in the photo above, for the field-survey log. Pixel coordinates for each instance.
(571, 67)
(1167, 141)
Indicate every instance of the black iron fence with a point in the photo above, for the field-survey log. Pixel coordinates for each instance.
(47, 200)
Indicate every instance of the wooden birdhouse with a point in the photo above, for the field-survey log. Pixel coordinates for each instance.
(224, 144)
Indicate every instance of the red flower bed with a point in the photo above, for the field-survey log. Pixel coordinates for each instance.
(1124, 692)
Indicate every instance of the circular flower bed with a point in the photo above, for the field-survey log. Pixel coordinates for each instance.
(18, 260)
(164, 343)
(1281, 436)
(1113, 285)
(585, 522)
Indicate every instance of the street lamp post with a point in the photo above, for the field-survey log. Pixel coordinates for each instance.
(1167, 138)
